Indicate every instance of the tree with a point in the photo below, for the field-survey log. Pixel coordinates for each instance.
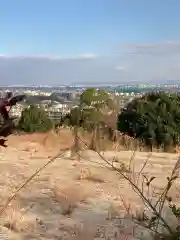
(153, 118)
(94, 105)
(34, 119)
(90, 114)
(95, 98)
(73, 119)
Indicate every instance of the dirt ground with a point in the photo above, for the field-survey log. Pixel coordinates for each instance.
(71, 198)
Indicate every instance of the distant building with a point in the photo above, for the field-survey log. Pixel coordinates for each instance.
(16, 110)
(57, 110)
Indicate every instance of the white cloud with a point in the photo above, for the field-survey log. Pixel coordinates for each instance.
(159, 48)
(152, 61)
(51, 57)
(88, 55)
(120, 68)
(137, 62)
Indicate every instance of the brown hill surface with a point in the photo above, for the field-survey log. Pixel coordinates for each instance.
(70, 199)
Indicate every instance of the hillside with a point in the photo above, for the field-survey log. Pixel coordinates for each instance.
(70, 199)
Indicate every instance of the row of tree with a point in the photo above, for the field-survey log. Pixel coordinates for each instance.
(154, 118)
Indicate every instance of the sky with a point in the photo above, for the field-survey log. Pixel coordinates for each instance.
(70, 41)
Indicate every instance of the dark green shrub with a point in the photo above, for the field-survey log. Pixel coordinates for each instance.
(153, 118)
(34, 119)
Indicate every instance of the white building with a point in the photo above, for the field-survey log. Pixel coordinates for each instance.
(16, 110)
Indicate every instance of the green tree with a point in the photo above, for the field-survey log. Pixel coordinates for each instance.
(94, 105)
(95, 98)
(90, 114)
(153, 118)
(34, 119)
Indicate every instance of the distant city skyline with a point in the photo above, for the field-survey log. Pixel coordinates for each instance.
(98, 41)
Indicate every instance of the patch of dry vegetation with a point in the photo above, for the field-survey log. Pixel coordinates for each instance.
(79, 190)
(69, 197)
(89, 175)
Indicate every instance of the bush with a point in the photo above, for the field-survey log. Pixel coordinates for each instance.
(153, 118)
(34, 119)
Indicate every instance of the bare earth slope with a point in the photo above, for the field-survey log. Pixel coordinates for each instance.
(70, 199)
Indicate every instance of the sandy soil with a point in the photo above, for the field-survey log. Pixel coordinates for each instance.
(70, 199)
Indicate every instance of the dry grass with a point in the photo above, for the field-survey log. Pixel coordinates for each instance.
(17, 219)
(70, 191)
(64, 138)
(87, 174)
(69, 198)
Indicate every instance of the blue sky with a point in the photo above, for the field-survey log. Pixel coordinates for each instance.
(61, 41)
